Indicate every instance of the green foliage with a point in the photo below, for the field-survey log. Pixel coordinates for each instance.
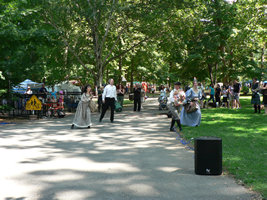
(245, 89)
(6, 107)
(142, 40)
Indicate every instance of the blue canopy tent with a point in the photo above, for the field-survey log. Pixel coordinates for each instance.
(22, 87)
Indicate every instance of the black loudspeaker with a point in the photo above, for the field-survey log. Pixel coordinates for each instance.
(208, 156)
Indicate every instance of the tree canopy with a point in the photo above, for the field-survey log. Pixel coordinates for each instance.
(145, 40)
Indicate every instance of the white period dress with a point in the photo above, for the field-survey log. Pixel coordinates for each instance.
(82, 118)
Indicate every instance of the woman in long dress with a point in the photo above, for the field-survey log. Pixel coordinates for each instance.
(194, 118)
(82, 118)
(255, 100)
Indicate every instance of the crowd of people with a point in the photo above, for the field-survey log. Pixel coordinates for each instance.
(184, 104)
(228, 95)
(225, 95)
(107, 96)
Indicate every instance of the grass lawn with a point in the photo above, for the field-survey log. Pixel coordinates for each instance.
(127, 102)
(244, 136)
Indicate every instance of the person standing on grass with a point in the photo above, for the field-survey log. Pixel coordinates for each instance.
(201, 88)
(264, 93)
(82, 118)
(237, 89)
(218, 95)
(137, 97)
(231, 94)
(120, 94)
(176, 105)
(225, 94)
(255, 99)
(212, 92)
(109, 97)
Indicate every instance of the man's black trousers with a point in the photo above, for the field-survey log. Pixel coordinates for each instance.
(109, 102)
(137, 104)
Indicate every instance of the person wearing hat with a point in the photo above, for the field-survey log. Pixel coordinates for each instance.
(28, 91)
(176, 105)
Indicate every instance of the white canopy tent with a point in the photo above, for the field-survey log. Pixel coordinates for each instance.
(66, 86)
(22, 87)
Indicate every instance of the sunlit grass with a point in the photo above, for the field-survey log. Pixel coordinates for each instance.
(244, 136)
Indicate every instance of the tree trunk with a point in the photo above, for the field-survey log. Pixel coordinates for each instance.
(211, 73)
(262, 61)
(215, 76)
(120, 69)
(224, 66)
(99, 76)
(131, 77)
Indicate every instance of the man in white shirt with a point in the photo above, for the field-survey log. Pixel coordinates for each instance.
(109, 97)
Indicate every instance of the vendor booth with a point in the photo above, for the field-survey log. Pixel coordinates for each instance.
(22, 87)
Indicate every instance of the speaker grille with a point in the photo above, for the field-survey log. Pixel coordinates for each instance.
(208, 156)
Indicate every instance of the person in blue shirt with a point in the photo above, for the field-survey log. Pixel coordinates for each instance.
(212, 92)
(53, 93)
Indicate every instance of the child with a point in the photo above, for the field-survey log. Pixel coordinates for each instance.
(225, 94)
(61, 99)
(176, 98)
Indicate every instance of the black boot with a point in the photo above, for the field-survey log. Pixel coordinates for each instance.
(255, 108)
(172, 125)
(179, 124)
(72, 126)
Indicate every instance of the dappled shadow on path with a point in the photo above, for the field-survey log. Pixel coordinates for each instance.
(134, 158)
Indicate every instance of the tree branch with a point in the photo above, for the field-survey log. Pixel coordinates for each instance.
(67, 44)
(107, 28)
(125, 51)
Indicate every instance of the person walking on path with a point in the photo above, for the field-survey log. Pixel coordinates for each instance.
(109, 97)
(120, 94)
(192, 96)
(237, 88)
(137, 97)
(255, 99)
(82, 118)
(175, 105)
(99, 99)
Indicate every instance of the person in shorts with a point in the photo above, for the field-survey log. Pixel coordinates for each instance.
(225, 98)
(237, 88)
(231, 94)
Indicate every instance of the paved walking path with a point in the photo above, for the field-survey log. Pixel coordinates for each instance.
(134, 158)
